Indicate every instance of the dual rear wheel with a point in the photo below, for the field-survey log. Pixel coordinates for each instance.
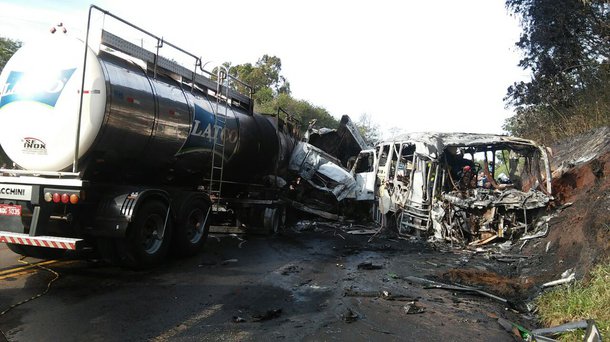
(148, 238)
(153, 234)
(193, 226)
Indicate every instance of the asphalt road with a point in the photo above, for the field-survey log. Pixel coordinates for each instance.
(302, 285)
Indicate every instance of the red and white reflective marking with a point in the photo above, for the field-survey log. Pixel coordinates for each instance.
(133, 100)
(94, 91)
(40, 241)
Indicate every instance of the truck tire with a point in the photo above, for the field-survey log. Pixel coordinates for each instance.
(272, 218)
(37, 252)
(144, 247)
(192, 228)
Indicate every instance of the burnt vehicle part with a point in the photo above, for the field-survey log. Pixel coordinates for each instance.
(320, 163)
(343, 143)
(456, 186)
(320, 182)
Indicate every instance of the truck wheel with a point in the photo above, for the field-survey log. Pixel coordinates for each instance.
(271, 220)
(148, 237)
(37, 252)
(192, 228)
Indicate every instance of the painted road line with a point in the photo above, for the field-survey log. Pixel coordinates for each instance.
(14, 275)
(32, 265)
(29, 269)
(189, 323)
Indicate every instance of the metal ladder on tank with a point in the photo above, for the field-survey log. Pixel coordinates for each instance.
(218, 145)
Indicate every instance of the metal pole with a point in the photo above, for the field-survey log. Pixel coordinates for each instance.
(82, 88)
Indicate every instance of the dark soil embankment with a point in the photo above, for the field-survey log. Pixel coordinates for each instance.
(508, 287)
(579, 236)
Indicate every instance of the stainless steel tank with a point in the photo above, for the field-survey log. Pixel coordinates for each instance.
(134, 128)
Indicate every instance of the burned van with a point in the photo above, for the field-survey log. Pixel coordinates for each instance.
(456, 186)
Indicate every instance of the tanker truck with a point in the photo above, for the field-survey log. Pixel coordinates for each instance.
(120, 150)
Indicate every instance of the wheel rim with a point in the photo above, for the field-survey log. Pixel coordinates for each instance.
(194, 225)
(271, 220)
(151, 237)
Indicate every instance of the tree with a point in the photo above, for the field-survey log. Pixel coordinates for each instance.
(395, 132)
(563, 42)
(565, 47)
(368, 129)
(265, 77)
(272, 91)
(7, 48)
(303, 110)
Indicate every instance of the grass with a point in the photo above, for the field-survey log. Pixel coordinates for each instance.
(584, 299)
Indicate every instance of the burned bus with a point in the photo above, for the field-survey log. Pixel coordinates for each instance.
(456, 186)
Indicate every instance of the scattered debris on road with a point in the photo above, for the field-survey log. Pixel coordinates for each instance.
(412, 308)
(566, 277)
(592, 333)
(269, 314)
(349, 316)
(516, 329)
(368, 265)
(229, 261)
(431, 284)
(377, 294)
(238, 319)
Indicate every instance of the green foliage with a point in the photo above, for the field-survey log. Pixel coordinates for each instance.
(581, 300)
(264, 77)
(548, 123)
(272, 91)
(7, 49)
(304, 111)
(565, 47)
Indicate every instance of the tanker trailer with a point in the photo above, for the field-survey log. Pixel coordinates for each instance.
(120, 150)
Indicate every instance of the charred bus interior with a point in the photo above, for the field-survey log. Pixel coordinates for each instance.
(461, 188)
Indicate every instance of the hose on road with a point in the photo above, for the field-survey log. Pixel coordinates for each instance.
(56, 276)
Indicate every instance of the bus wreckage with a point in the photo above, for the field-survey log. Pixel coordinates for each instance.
(456, 187)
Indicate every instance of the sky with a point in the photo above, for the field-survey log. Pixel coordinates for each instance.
(412, 66)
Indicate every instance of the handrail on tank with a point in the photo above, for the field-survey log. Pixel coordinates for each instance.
(231, 79)
(82, 90)
(289, 117)
(159, 39)
(160, 43)
(249, 87)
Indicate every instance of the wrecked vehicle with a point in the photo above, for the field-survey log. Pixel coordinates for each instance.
(321, 170)
(344, 143)
(320, 164)
(455, 186)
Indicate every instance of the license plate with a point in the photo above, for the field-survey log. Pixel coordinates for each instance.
(10, 210)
